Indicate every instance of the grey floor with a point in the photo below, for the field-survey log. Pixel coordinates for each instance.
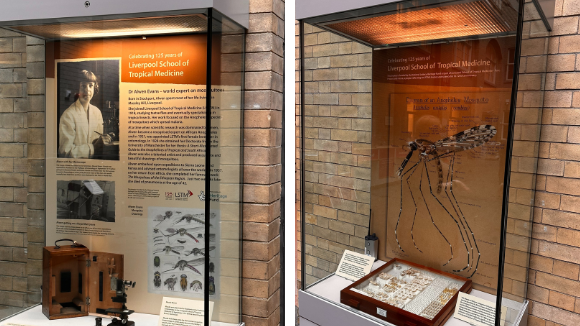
(6, 311)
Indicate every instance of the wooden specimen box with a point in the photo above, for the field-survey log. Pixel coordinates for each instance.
(406, 294)
(76, 281)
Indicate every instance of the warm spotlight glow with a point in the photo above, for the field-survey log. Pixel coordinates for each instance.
(120, 27)
(458, 20)
(121, 32)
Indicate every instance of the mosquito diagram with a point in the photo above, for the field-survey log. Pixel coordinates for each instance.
(435, 151)
(183, 264)
(180, 232)
(169, 249)
(195, 217)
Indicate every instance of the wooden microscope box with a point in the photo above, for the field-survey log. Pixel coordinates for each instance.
(76, 281)
(399, 315)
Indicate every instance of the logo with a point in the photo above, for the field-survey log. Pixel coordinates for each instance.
(213, 196)
(168, 195)
(183, 195)
(87, 4)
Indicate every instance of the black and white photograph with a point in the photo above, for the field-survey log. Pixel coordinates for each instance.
(86, 200)
(88, 109)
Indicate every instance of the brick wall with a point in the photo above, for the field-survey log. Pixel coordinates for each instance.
(554, 263)
(22, 153)
(262, 159)
(337, 131)
(21, 170)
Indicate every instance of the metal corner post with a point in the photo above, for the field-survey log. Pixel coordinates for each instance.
(207, 201)
(283, 207)
(507, 175)
(302, 163)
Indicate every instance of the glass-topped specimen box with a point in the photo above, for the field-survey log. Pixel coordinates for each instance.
(142, 142)
(403, 291)
(414, 129)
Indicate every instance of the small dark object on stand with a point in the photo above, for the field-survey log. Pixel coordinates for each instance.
(98, 321)
(121, 297)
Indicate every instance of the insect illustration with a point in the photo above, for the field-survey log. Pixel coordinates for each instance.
(160, 218)
(183, 264)
(199, 251)
(183, 282)
(211, 286)
(170, 282)
(197, 218)
(157, 279)
(169, 249)
(184, 232)
(211, 267)
(435, 151)
(196, 286)
(181, 232)
(156, 261)
(211, 237)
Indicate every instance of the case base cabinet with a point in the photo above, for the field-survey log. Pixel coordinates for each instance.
(320, 305)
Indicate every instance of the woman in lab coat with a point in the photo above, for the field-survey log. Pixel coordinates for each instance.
(81, 125)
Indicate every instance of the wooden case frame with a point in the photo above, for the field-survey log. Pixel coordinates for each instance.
(95, 268)
(398, 316)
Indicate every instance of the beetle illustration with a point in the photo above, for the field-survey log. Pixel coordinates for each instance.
(157, 279)
(196, 286)
(170, 282)
(211, 267)
(434, 151)
(183, 282)
(156, 261)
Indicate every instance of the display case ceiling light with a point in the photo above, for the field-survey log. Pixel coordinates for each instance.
(119, 27)
(458, 20)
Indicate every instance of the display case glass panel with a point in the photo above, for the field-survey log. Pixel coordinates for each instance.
(142, 149)
(410, 134)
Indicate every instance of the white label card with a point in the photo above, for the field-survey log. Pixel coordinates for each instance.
(182, 312)
(477, 311)
(353, 266)
(381, 312)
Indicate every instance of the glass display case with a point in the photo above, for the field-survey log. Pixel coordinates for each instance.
(138, 134)
(419, 138)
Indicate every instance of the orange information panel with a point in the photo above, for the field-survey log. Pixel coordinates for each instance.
(440, 125)
(126, 160)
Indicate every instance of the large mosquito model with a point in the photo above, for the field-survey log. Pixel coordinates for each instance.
(434, 151)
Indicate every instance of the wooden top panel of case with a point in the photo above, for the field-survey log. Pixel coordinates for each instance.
(67, 250)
